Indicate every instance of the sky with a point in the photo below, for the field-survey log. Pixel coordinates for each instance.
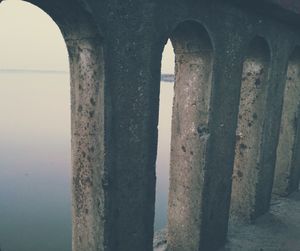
(30, 39)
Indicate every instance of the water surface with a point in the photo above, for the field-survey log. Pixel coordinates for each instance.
(35, 160)
(35, 188)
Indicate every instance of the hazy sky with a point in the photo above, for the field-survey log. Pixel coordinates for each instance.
(31, 40)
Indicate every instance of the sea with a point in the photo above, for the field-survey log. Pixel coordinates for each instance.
(35, 160)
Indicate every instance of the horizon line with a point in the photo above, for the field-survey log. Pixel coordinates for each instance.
(166, 77)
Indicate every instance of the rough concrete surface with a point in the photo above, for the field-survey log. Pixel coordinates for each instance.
(115, 50)
(190, 135)
(278, 230)
(249, 132)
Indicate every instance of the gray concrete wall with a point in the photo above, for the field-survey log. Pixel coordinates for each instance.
(115, 52)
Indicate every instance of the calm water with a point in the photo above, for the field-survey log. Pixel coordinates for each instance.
(35, 188)
(163, 154)
(35, 162)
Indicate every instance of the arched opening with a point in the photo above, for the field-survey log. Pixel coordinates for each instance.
(35, 150)
(287, 171)
(253, 97)
(190, 134)
(86, 60)
(164, 137)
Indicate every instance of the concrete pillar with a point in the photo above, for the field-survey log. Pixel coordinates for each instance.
(114, 146)
(88, 154)
(115, 101)
(90, 181)
(287, 172)
(190, 134)
(250, 129)
(115, 93)
(203, 130)
(132, 68)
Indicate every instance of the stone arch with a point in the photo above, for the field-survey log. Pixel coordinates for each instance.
(254, 88)
(86, 58)
(190, 134)
(287, 171)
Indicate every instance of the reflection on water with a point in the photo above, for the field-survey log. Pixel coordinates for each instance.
(35, 173)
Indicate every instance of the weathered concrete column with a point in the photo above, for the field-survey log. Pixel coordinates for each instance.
(88, 154)
(114, 145)
(250, 129)
(190, 134)
(203, 134)
(287, 172)
(132, 69)
(271, 127)
(88, 106)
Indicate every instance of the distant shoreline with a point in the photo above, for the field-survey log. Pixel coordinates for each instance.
(167, 78)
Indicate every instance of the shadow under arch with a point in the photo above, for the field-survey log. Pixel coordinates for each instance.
(252, 112)
(287, 171)
(86, 58)
(190, 136)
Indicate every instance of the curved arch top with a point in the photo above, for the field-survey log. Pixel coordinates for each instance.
(191, 37)
(259, 49)
(86, 59)
(295, 55)
(74, 21)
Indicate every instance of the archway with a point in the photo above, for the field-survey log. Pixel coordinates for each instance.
(86, 59)
(164, 137)
(35, 150)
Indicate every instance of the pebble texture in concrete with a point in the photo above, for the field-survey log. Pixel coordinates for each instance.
(249, 132)
(190, 134)
(87, 73)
